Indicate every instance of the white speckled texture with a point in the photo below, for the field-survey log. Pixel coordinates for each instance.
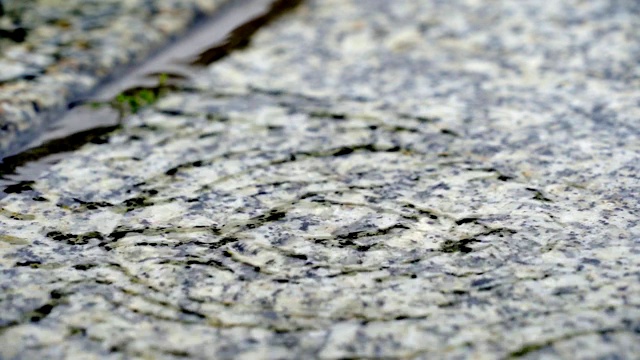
(433, 179)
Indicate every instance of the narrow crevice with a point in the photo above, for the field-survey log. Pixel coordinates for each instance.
(74, 239)
(462, 245)
(538, 195)
(136, 97)
(531, 348)
(349, 240)
(19, 187)
(294, 156)
(467, 220)
(423, 212)
(353, 235)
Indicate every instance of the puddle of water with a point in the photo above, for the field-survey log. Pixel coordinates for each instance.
(241, 35)
(52, 146)
(218, 31)
(228, 29)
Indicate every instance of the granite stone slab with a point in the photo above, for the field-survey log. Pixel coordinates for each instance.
(67, 47)
(367, 179)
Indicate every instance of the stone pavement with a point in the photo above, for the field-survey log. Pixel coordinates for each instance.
(415, 179)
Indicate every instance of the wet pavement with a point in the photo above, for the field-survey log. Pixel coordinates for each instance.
(359, 180)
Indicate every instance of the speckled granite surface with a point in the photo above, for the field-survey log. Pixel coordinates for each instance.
(435, 179)
(67, 47)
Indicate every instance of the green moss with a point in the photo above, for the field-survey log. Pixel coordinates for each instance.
(132, 101)
(528, 349)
